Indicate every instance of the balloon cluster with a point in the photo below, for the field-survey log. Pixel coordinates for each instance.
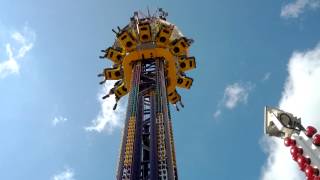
(304, 162)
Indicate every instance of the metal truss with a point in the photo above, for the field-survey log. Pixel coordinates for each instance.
(147, 150)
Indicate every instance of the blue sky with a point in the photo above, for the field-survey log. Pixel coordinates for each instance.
(249, 54)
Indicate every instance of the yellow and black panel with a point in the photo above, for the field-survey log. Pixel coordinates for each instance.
(115, 55)
(184, 82)
(121, 90)
(186, 64)
(127, 41)
(179, 46)
(113, 73)
(145, 32)
(163, 37)
(174, 97)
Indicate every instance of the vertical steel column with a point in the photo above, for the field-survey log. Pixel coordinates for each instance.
(129, 136)
(153, 139)
(164, 146)
(145, 159)
(147, 151)
(136, 169)
(173, 152)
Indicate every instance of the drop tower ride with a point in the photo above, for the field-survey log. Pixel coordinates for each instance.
(150, 59)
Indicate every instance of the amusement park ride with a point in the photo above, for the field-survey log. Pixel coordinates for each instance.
(150, 59)
(304, 147)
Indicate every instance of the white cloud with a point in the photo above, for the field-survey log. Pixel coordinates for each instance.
(234, 94)
(217, 113)
(21, 43)
(108, 119)
(302, 98)
(67, 174)
(266, 76)
(10, 66)
(294, 9)
(58, 120)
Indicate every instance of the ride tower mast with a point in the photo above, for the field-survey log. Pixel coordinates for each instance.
(150, 57)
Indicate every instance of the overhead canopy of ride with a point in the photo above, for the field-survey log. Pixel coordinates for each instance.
(148, 39)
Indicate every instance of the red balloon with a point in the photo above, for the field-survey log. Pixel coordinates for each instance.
(309, 170)
(295, 150)
(310, 131)
(295, 157)
(316, 171)
(310, 178)
(302, 162)
(316, 178)
(308, 160)
(289, 142)
(316, 139)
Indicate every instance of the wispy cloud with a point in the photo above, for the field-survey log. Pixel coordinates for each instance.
(21, 42)
(266, 76)
(57, 120)
(66, 174)
(9, 66)
(108, 119)
(217, 113)
(300, 97)
(296, 8)
(234, 94)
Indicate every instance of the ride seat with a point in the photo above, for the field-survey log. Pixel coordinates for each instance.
(114, 55)
(184, 82)
(145, 32)
(127, 41)
(112, 73)
(174, 97)
(187, 63)
(179, 46)
(163, 36)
